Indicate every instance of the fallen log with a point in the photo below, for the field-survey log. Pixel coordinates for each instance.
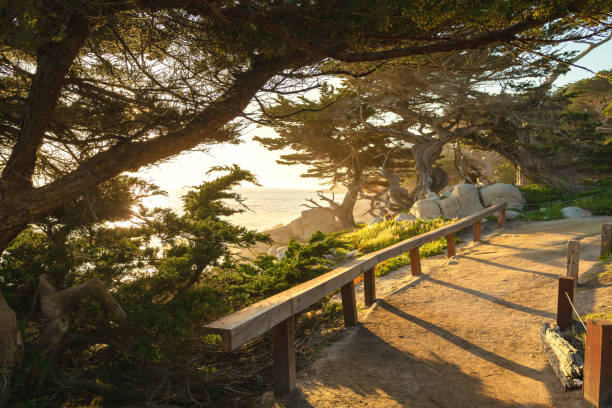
(563, 357)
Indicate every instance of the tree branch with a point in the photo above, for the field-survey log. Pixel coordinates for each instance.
(54, 61)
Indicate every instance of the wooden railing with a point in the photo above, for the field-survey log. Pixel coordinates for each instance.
(277, 312)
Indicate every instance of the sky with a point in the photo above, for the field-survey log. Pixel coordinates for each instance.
(188, 169)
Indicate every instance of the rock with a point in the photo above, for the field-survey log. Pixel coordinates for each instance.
(405, 217)
(426, 209)
(499, 193)
(432, 196)
(468, 197)
(272, 251)
(329, 257)
(376, 220)
(317, 219)
(450, 207)
(282, 235)
(280, 252)
(352, 253)
(575, 212)
(452, 260)
(446, 192)
(510, 215)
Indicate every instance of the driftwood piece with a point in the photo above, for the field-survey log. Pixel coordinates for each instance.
(55, 307)
(563, 357)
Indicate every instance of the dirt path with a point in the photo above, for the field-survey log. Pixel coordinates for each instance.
(464, 334)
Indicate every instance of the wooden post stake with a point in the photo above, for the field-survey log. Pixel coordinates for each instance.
(450, 245)
(415, 262)
(598, 363)
(606, 239)
(349, 305)
(501, 217)
(283, 356)
(573, 259)
(477, 230)
(369, 287)
(564, 309)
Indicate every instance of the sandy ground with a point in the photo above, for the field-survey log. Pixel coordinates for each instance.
(466, 332)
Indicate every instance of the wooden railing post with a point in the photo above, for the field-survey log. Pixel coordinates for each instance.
(477, 230)
(606, 239)
(283, 356)
(349, 305)
(415, 262)
(598, 363)
(564, 308)
(450, 245)
(369, 287)
(501, 217)
(573, 259)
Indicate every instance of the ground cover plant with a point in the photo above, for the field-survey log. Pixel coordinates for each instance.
(544, 203)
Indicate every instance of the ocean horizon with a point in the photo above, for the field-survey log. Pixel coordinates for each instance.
(267, 207)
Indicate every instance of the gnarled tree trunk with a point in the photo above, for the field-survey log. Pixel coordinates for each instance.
(430, 179)
(11, 347)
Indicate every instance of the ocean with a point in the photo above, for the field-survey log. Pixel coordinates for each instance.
(268, 207)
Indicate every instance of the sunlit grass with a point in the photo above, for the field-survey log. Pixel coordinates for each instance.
(429, 249)
(381, 235)
(386, 233)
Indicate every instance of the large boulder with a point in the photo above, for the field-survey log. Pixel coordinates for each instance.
(317, 219)
(468, 197)
(575, 212)
(426, 209)
(499, 193)
(450, 207)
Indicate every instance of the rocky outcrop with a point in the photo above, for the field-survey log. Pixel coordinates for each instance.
(426, 209)
(450, 207)
(312, 220)
(317, 219)
(468, 197)
(499, 193)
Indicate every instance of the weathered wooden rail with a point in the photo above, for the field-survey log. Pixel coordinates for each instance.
(277, 312)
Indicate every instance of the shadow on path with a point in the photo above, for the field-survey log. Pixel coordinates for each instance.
(464, 344)
(498, 265)
(367, 374)
(493, 299)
